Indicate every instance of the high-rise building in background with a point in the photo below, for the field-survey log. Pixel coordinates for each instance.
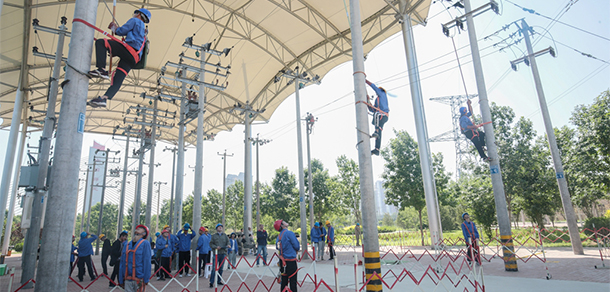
(232, 178)
(382, 207)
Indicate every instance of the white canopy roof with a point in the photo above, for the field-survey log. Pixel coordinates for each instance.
(266, 36)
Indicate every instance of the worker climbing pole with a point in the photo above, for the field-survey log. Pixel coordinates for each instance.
(372, 263)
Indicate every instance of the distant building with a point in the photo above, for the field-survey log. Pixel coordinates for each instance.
(232, 178)
(382, 207)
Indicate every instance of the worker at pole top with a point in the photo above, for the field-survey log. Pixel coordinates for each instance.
(288, 246)
(381, 113)
(184, 248)
(135, 264)
(129, 51)
(471, 131)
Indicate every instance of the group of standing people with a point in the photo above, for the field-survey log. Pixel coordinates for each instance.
(320, 236)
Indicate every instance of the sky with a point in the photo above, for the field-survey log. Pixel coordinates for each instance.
(580, 71)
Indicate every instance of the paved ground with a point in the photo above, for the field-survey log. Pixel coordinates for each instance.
(569, 273)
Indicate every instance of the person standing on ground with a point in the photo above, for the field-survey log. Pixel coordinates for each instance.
(261, 244)
(165, 248)
(315, 238)
(106, 247)
(203, 246)
(130, 52)
(471, 131)
(232, 251)
(330, 240)
(85, 250)
(184, 248)
(288, 246)
(73, 253)
(357, 232)
(219, 243)
(471, 236)
(381, 113)
(322, 240)
(135, 264)
(115, 257)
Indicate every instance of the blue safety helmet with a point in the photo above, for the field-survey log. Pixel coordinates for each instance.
(464, 215)
(219, 224)
(124, 232)
(317, 224)
(157, 234)
(358, 224)
(83, 234)
(463, 110)
(144, 12)
(187, 226)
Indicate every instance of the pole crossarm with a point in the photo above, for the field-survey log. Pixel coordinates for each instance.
(459, 21)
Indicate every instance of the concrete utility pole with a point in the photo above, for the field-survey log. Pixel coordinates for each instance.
(158, 183)
(151, 166)
(17, 171)
(510, 261)
(369, 219)
(177, 222)
(104, 186)
(258, 141)
(434, 217)
(82, 214)
(224, 183)
(30, 248)
(137, 205)
(247, 174)
(550, 133)
(300, 79)
(124, 182)
(171, 199)
(310, 121)
(63, 190)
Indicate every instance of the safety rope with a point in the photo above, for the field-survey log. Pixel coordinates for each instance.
(459, 66)
(132, 51)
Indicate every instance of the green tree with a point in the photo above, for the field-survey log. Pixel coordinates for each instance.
(322, 196)
(109, 220)
(281, 201)
(128, 217)
(211, 209)
(187, 210)
(345, 187)
(476, 194)
(235, 206)
(403, 178)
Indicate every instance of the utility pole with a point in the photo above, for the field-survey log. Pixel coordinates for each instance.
(30, 247)
(151, 165)
(258, 141)
(127, 132)
(135, 220)
(550, 133)
(434, 217)
(309, 122)
(224, 183)
(99, 221)
(369, 218)
(64, 178)
(158, 183)
(171, 199)
(510, 261)
(82, 215)
(300, 79)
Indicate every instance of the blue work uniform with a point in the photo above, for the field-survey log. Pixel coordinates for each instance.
(141, 257)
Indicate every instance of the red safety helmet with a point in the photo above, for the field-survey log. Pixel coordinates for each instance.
(203, 229)
(145, 228)
(278, 224)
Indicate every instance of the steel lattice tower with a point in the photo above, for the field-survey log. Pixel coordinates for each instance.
(462, 145)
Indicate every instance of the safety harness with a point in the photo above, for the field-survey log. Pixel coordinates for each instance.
(284, 260)
(473, 242)
(133, 266)
(135, 54)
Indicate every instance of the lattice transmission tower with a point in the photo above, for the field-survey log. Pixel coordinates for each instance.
(462, 145)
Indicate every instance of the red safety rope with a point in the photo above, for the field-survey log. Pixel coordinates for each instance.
(133, 263)
(132, 51)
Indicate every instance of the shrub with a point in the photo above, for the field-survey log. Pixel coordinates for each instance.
(19, 247)
(599, 222)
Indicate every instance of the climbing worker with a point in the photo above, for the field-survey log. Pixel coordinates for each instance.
(115, 257)
(471, 236)
(330, 240)
(381, 113)
(135, 264)
(219, 243)
(471, 131)
(130, 52)
(165, 248)
(184, 249)
(85, 250)
(203, 246)
(288, 246)
(315, 235)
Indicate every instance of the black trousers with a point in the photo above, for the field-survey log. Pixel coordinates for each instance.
(473, 250)
(378, 121)
(165, 264)
(82, 261)
(331, 251)
(204, 258)
(289, 274)
(184, 257)
(126, 63)
(478, 139)
(104, 267)
(115, 272)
